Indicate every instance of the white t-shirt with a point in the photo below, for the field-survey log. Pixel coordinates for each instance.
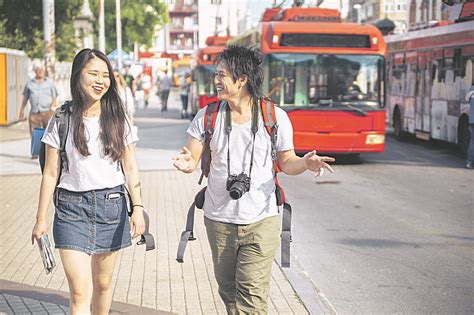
(92, 172)
(259, 202)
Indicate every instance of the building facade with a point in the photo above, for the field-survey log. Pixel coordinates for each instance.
(424, 13)
(373, 11)
(192, 21)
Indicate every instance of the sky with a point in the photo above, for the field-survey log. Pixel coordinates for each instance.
(257, 7)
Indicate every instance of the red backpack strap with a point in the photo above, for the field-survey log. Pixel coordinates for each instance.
(210, 118)
(269, 116)
(270, 122)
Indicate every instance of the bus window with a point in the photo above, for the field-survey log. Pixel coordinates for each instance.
(205, 79)
(289, 85)
(410, 80)
(304, 79)
(397, 80)
(276, 75)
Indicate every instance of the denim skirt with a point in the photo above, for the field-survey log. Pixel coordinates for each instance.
(93, 221)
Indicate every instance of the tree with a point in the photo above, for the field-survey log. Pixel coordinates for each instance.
(21, 27)
(21, 24)
(139, 22)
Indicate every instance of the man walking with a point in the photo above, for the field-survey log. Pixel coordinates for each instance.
(164, 86)
(243, 229)
(42, 94)
(184, 86)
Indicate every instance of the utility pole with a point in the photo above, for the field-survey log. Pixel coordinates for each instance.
(48, 29)
(101, 26)
(119, 35)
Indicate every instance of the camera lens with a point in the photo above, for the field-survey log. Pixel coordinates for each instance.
(237, 190)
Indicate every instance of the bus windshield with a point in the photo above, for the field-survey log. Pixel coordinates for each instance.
(307, 80)
(205, 79)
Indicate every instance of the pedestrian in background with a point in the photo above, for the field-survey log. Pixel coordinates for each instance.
(125, 95)
(139, 92)
(470, 149)
(42, 94)
(91, 222)
(184, 85)
(243, 233)
(128, 77)
(164, 87)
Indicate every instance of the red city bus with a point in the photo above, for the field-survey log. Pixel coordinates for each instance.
(430, 73)
(203, 90)
(327, 75)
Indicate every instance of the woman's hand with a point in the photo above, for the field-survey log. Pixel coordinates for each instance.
(182, 161)
(318, 163)
(137, 222)
(39, 230)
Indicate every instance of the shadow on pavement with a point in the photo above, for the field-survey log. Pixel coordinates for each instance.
(22, 297)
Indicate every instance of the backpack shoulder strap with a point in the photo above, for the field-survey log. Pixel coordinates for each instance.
(270, 122)
(63, 119)
(269, 116)
(210, 118)
(271, 125)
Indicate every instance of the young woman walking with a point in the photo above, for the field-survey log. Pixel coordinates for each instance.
(91, 222)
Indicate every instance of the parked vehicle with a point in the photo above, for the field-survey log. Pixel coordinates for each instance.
(430, 72)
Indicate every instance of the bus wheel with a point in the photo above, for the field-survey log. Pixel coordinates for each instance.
(463, 134)
(397, 125)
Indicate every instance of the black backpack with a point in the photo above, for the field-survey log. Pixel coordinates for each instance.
(62, 117)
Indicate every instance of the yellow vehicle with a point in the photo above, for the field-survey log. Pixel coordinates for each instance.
(180, 67)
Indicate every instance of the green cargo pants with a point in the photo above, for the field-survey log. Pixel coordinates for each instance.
(243, 257)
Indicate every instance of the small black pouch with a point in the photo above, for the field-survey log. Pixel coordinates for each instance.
(199, 198)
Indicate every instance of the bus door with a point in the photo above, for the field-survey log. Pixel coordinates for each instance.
(426, 98)
(422, 112)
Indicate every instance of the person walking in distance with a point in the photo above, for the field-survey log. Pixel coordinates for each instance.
(243, 230)
(42, 94)
(91, 222)
(184, 85)
(130, 80)
(164, 86)
(125, 94)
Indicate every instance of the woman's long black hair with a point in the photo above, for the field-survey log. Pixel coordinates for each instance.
(112, 117)
(244, 61)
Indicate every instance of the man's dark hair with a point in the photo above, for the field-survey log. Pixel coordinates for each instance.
(244, 61)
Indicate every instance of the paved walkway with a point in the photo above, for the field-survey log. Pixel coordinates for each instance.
(144, 282)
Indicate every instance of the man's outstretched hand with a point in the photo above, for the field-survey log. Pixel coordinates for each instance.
(183, 161)
(318, 163)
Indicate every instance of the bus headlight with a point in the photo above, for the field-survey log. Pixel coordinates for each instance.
(375, 139)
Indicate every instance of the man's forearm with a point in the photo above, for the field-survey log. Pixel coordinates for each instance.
(294, 166)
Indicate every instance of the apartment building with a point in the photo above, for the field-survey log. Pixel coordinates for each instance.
(192, 21)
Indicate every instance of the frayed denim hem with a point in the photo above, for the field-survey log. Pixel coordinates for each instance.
(92, 252)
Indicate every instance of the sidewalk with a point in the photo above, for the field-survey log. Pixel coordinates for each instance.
(144, 282)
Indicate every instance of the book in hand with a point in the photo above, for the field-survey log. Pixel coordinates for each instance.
(47, 255)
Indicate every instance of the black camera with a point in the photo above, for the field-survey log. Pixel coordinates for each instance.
(237, 185)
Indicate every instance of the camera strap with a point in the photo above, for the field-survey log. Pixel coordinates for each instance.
(228, 130)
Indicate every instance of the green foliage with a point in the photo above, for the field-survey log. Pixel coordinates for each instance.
(139, 22)
(21, 24)
(21, 27)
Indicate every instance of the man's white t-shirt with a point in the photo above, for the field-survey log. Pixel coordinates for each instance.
(95, 171)
(260, 201)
